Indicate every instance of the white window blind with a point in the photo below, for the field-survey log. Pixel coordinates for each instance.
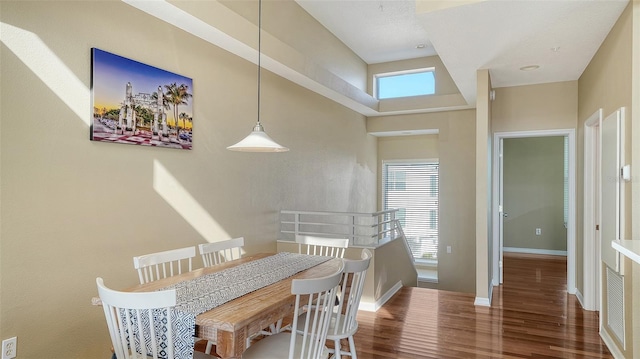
(412, 187)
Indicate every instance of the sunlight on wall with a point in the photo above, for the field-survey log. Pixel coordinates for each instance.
(44, 63)
(182, 202)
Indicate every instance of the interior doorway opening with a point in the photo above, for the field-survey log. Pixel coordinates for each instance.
(498, 201)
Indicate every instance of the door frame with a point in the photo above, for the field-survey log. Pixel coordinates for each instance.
(591, 247)
(497, 196)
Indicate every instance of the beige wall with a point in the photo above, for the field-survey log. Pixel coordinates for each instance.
(533, 190)
(606, 83)
(73, 209)
(456, 152)
(535, 107)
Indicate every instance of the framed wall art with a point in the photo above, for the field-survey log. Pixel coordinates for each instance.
(135, 103)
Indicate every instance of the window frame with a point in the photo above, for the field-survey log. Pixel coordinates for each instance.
(376, 77)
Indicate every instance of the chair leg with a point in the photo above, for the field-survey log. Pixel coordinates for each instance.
(337, 349)
(278, 327)
(274, 328)
(209, 347)
(352, 348)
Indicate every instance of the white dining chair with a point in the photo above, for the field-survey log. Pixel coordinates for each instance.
(159, 265)
(322, 246)
(315, 246)
(142, 338)
(217, 253)
(317, 295)
(220, 252)
(343, 321)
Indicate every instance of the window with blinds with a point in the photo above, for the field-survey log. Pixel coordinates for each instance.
(412, 188)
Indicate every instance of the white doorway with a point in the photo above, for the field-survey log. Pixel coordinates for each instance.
(498, 213)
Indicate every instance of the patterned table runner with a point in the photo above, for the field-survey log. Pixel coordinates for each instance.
(201, 294)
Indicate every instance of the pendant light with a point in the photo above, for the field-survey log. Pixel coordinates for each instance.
(258, 140)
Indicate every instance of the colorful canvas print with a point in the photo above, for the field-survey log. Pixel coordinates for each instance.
(138, 104)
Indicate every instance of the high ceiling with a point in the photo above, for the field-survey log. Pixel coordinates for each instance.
(559, 36)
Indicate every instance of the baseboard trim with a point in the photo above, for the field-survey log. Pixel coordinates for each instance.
(485, 302)
(374, 306)
(427, 279)
(580, 299)
(534, 251)
(611, 345)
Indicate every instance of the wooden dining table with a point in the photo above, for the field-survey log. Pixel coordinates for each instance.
(230, 324)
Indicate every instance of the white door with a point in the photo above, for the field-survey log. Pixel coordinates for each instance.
(611, 196)
(591, 224)
(502, 213)
(596, 259)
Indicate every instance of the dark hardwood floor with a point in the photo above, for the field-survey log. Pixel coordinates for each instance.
(531, 316)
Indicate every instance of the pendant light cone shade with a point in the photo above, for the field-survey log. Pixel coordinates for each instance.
(258, 140)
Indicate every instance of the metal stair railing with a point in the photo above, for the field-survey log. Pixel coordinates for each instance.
(362, 229)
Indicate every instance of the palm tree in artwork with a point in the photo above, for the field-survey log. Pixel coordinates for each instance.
(184, 117)
(177, 95)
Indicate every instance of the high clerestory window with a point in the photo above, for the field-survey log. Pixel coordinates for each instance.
(405, 83)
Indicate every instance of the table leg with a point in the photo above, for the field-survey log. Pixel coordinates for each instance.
(231, 345)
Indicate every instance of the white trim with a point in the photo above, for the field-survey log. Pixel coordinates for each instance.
(591, 256)
(535, 251)
(430, 280)
(610, 343)
(580, 298)
(485, 302)
(374, 306)
(571, 225)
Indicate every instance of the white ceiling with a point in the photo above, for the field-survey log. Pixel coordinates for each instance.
(560, 36)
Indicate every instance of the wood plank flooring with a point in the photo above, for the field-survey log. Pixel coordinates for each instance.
(531, 316)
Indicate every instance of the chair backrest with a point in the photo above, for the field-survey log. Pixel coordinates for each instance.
(160, 265)
(322, 246)
(220, 252)
(355, 272)
(317, 296)
(133, 335)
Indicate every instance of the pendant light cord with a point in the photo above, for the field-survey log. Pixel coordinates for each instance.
(259, 52)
